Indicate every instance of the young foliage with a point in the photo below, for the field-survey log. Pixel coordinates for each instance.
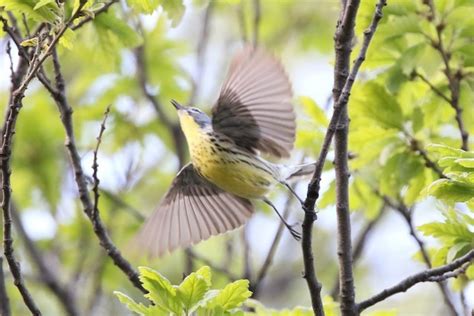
(458, 165)
(194, 294)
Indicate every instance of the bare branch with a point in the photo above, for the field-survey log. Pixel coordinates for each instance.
(173, 128)
(223, 270)
(97, 224)
(424, 276)
(416, 147)
(449, 275)
(4, 300)
(407, 215)
(95, 165)
(359, 246)
(241, 21)
(89, 18)
(256, 20)
(65, 297)
(432, 87)
(454, 77)
(200, 53)
(345, 28)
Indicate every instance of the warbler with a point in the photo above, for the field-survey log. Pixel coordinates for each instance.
(212, 194)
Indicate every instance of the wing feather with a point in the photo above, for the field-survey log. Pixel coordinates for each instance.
(254, 105)
(192, 210)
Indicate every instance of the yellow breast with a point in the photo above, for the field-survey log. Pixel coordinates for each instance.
(222, 166)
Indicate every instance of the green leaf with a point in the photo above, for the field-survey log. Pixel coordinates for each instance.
(375, 103)
(466, 162)
(68, 38)
(174, 9)
(456, 249)
(451, 191)
(42, 3)
(232, 296)
(144, 6)
(194, 287)
(314, 111)
(160, 290)
(46, 13)
(113, 31)
(133, 306)
(31, 42)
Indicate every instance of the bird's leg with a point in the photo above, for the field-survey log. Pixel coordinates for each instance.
(293, 232)
(312, 212)
(293, 192)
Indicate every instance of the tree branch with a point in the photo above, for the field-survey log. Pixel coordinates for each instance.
(314, 185)
(223, 270)
(4, 301)
(200, 53)
(95, 165)
(359, 246)
(416, 147)
(64, 295)
(98, 226)
(424, 276)
(407, 215)
(256, 21)
(454, 77)
(89, 18)
(432, 87)
(173, 128)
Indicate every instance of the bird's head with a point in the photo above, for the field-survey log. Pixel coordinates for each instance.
(190, 117)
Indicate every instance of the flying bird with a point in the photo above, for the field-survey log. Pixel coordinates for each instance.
(212, 194)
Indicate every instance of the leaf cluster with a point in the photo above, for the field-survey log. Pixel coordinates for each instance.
(193, 296)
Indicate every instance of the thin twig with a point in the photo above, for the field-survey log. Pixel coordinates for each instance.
(46, 275)
(256, 21)
(246, 250)
(4, 300)
(241, 20)
(454, 77)
(95, 165)
(173, 128)
(449, 275)
(223, 270)
(89, 18)
(407, 215)
(97, 224)
(412, 280)
(201, 53)
(432, 86)
(118, 201)
(416, 147)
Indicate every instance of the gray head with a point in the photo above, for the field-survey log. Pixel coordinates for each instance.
(198, 116)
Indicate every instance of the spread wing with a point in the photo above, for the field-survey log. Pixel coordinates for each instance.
(192, 210)
(254, 107)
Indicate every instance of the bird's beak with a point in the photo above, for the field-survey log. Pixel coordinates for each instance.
(177, 105)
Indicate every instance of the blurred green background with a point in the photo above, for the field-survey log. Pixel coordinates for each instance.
(139, 51)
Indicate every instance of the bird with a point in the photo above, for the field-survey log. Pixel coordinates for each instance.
(214, 193)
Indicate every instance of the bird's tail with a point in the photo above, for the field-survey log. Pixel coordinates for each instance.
(292, 173)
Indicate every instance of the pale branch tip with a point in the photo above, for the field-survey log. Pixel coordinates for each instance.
(424, 276)
(95, 165)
